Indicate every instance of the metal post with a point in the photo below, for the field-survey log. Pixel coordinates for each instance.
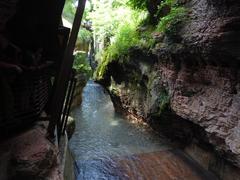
(65, 106)
(67, 103)
(61, 81)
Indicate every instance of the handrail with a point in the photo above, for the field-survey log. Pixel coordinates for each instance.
(68, 104)
(61, 81)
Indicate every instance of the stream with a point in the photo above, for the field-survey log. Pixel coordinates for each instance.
(108, 146)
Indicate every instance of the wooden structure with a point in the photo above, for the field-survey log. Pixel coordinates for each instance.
(62, 78)
(26, 96)
(31, 36)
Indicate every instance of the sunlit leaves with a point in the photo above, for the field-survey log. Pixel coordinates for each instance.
(81, 64)
(69, 10)
(168, 24)
(107, 16)
(84, 36)
(138, 4)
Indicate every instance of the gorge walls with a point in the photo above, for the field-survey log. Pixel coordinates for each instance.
(188, 85)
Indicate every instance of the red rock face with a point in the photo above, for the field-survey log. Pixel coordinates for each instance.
(30, 156)
(210, 97)
(206, 87)
(207, 95)
(200, 73)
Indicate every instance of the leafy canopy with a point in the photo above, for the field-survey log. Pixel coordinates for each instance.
(118, 25)
(138, 4)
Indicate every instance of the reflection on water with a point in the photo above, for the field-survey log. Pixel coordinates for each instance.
(107, 146)
(102, 134)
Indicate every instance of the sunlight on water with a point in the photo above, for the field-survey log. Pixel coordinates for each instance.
(101, 134)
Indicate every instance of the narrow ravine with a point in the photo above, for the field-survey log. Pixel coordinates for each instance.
(107, 146)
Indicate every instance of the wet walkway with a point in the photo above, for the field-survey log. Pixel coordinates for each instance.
(107, 146)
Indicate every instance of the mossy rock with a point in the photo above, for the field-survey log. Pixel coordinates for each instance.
(71, 125)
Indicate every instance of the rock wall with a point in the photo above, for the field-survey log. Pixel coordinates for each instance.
(77, 97)
(30, 155)
(189, 84)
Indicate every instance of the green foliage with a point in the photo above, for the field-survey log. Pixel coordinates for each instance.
(101, 69)
(119, 25)
(84, 36)
(125, 38)
(169, 24)
(81, 64)
(144, 22)
(69, 10)
(138, 4)
(146, 38)
(164, 101)
(107, 16)
(168, 2)
(127, 28)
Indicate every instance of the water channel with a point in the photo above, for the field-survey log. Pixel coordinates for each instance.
(107, 146)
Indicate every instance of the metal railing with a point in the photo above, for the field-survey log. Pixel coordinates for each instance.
(32, 91)
(62, 77)
(67, 104)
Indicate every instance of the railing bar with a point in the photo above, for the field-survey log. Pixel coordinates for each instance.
(69, 105)
(61, 81)
(67, 100)
(66, 107)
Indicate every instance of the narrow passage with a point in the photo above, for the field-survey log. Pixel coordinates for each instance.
(107, 146)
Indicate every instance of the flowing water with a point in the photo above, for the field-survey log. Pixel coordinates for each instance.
(107, 146)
